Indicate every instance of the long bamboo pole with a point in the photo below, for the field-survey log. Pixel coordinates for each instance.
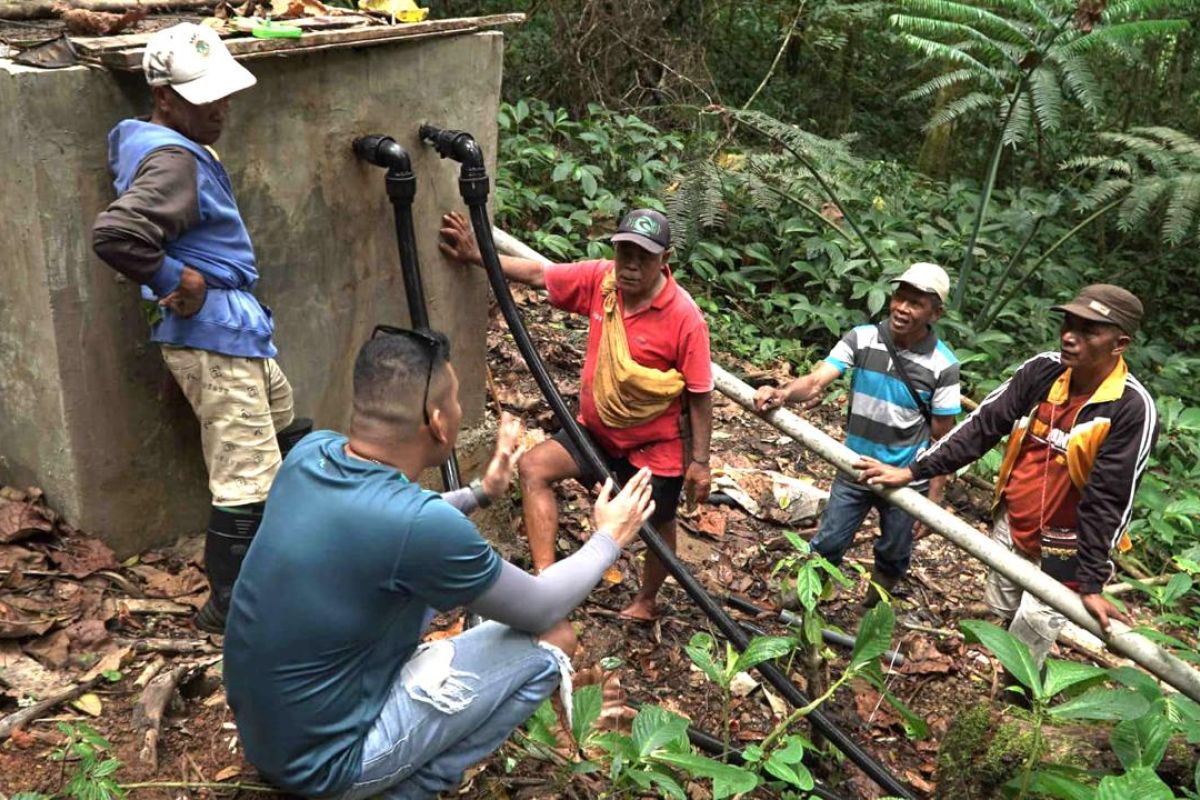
(1122, 640)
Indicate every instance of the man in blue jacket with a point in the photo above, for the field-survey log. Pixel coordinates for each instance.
(175, 228)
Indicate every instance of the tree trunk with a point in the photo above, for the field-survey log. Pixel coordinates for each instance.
(46, 9)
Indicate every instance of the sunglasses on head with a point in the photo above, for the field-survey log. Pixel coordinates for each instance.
(431, 348)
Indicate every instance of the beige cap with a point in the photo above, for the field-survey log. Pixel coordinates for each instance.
(193, 61)
(926, 277)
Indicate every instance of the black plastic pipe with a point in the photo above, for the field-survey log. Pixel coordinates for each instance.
(832, 637)
(473, 186)
(715, 747)
(384, 151)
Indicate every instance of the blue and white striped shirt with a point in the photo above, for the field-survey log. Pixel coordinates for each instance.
(885, 422)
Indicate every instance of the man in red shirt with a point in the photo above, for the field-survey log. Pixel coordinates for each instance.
(646, 389)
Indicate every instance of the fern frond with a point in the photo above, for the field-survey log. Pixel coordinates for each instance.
(1125, 9)
(1104, 193)
(1125, 32)
(1142, 199)
(1182, 208)
(1103, 164)
(1045, 92)
(697, 203)
(1177, 141)
(941, 83)
(1018, 124)
(959, 108)
(943, 52)
(985, 22)
(1078, 77)
(1027, 9)
(938, 29)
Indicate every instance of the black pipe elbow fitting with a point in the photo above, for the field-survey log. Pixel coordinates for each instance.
(460, 146)
(383, 151)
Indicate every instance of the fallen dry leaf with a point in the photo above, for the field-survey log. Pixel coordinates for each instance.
(20, 520)
(613, 575)
(16, 624)
(89, 704)
(52, 650)
(84, 556)
(86, 633)
(23, 676)
(711, 522)
(227, 773)
(163, 584)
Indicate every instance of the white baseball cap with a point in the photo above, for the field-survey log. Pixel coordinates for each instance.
(926, 277)
(193, 61)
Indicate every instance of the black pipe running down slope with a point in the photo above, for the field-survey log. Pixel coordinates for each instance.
(473, 186)
(384, 151)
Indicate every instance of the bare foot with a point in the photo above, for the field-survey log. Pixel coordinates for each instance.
(641, 610)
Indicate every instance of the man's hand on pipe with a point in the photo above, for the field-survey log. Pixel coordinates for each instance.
(188, 297)
(1100, 608)
(623, 515)
(508, 452)
(876, 473)
(457, 241)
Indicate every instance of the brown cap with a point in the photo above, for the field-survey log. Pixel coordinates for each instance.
(1103, 302)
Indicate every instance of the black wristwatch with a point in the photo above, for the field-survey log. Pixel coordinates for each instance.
(481, 497)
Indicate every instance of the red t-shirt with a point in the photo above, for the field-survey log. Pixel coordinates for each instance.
(1039, 490)
(670, 333)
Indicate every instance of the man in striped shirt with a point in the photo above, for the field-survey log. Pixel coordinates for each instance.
(895, 408)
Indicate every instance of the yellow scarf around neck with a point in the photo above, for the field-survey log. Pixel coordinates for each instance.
(626, 392)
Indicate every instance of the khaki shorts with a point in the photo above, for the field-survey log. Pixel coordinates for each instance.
(241, 403)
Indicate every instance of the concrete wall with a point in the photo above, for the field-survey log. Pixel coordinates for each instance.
(87, 410)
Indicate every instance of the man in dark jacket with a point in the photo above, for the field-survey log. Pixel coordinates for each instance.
(176, 229)
(1080, 430)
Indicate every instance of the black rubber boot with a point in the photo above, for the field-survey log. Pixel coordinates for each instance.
(888, 582)
(229, 535)
(290, 436)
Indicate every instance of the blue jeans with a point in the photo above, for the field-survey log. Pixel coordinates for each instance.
(456, 701)
(848, 505)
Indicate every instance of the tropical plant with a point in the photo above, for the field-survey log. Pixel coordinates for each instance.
(1155, 177)
(1016, 62)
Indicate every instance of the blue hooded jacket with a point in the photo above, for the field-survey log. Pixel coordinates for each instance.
(232, 321)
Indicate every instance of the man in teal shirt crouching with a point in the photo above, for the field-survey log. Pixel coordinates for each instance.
(333, 693)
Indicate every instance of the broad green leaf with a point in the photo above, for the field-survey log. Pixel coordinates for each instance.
(653, 727)
(792, 752)
(1062, 675)
(1013, 653)
(1137, 680)
(763, 648)
(1177, 587)
(727, 779)
(1054, 784)
(540, 726)
(1141, 742)
(667, 783)
(808, 586)
(794, 773)
(874, 635)
(1101, 703)
(1137, 784)
(585, 710)
(699, 650)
